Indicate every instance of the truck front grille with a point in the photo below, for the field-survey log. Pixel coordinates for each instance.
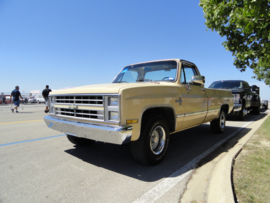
(94, 100)
(90, 114)
(89, 107)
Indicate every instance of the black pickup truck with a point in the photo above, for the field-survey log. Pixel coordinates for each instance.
(246, 98)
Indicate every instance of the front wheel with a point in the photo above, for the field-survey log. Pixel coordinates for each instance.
(79, 141)
(241, 113)
(152, 145)
(218, 125)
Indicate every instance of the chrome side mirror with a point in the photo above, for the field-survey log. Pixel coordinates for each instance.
(198, 79)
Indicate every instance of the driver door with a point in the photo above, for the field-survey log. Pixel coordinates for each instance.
(194, 98)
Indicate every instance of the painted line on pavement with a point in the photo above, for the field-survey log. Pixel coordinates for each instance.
(21, 122)
(43, 138)
(159, 190)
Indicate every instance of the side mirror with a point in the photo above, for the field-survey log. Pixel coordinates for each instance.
(198, 79)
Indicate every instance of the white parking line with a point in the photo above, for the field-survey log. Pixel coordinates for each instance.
(159, 190)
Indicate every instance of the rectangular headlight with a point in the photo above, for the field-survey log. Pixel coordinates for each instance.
(237, 98)
(113, 101)
(113, 116)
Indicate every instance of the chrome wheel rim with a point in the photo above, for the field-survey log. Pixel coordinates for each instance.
(222, 121)
(157, 140)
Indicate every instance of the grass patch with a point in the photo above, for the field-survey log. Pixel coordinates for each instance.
(251, 172)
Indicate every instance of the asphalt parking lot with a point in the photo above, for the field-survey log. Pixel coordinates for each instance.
(40, 165)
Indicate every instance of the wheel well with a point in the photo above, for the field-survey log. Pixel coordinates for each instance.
(244, 102)
(225, 108)
(166, 112)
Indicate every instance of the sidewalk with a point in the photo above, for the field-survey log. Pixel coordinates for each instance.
(211, 181)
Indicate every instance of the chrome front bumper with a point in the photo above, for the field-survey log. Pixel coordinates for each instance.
(237, 107)
(104, 133)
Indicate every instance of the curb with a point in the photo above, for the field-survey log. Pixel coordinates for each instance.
(220, 186)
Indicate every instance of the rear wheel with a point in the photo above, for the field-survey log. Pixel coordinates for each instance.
(152, 145)
(218, 125)
(256, 110)
(79, 141)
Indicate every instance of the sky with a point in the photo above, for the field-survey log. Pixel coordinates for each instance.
(68, 43)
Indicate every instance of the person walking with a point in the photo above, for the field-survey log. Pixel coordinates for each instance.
(16, 95)
(4, 100)
(45, 94)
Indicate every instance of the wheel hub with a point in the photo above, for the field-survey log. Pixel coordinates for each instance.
(157, 140)
(222, 121)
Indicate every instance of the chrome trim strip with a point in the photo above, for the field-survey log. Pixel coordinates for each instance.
(195, 113)
(99, 132)
(80, 118)
(79, 104)
(86, 94)
(180, 115)
(213, 110)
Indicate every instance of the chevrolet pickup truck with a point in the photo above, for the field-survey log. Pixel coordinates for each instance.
(145, 103)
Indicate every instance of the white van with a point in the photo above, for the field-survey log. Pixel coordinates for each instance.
(39, 98)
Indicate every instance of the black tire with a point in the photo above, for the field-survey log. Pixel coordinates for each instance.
(218, 125)
(256, 110)
(152, 145)
(241, 115)
(80, 141)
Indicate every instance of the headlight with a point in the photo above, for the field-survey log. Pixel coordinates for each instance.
(51, 105)
(237, 98)
(112, 109)
(52, 100)
(113, 101)
(113, 116)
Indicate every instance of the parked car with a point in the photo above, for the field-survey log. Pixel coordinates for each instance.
(32, 100)
(145, 103)
(246, 98)
(7, 101)
(40, 99)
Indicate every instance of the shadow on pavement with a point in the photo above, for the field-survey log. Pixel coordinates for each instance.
(249, 117)
(183, 148)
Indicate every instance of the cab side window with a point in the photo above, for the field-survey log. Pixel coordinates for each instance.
(187, 72)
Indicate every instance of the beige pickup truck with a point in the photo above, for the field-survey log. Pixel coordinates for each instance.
(145, 103)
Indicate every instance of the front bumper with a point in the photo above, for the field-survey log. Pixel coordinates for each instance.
(99, 132)
(237, 108)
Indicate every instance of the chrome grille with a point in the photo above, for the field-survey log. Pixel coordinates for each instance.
(79, 106)
(85, 100)
(90, 114)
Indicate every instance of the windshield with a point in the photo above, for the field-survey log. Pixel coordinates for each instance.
(227, 85)
(155, 71)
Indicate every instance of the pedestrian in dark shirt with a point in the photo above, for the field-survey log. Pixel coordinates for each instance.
(15, 94)
(4, 100)
(45, 94)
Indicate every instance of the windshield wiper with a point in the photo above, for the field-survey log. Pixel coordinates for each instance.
(143, 80)
(121, 82)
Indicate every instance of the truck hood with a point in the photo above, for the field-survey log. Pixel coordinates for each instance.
(237, 91)
(110, 88)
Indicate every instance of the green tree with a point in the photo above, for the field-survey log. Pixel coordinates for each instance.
(246, 24)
